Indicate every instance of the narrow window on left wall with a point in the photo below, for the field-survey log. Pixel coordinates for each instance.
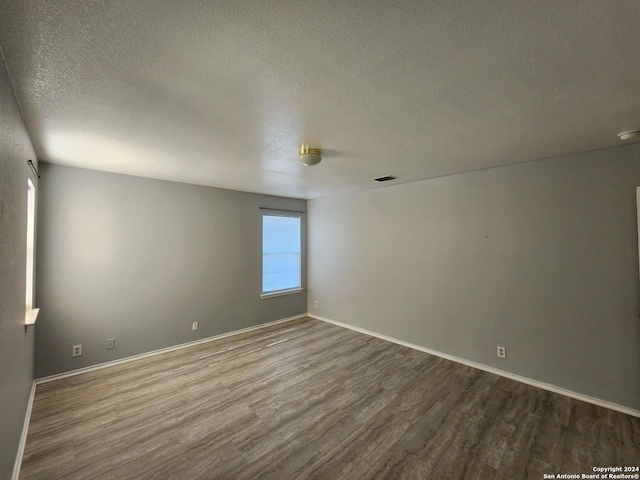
(30, 312)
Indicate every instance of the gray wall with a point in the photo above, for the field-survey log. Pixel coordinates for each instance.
(540, 257)
(140, 260)
(16, 345)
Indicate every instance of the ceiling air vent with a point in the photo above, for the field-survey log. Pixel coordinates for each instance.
(386, 178)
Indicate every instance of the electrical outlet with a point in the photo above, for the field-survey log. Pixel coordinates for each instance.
(502, 352)
(111, 343)
(315, 303)
(194, 326)
(76, 351)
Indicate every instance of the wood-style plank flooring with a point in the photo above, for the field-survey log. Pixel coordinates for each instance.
(310, 400)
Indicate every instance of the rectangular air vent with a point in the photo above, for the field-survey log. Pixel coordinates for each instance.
(386, 178)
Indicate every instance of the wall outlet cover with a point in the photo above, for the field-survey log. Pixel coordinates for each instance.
(194, 326)
(76, 351)
(111, 343)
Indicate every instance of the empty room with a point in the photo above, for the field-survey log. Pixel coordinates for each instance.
(298, 240)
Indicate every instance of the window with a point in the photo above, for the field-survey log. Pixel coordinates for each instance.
(30, 312)
(281, 257)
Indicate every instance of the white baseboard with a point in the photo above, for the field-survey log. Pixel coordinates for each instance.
(479, 366)
(23, 437)
(100, 366)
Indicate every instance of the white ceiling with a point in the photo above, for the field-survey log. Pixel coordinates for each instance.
(222, 93)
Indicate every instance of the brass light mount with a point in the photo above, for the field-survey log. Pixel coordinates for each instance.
(309, 156)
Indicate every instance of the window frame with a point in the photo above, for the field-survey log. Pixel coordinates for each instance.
(30, 313)
(288, 291)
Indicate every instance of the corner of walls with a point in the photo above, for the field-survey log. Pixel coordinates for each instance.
(140, 260)
(16, 345)
(540, 257)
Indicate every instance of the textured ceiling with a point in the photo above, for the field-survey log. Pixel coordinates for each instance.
(222, 93)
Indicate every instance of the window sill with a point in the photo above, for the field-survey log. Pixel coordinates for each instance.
(280, 293)
(30, 318)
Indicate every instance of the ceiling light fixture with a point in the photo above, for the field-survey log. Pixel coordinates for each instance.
(310, 156)
(629, 135)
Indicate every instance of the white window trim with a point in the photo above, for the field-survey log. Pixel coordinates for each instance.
(31, 314)
(289, 291)
(280, 293)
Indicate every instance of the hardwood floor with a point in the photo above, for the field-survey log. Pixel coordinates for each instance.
(310, 400)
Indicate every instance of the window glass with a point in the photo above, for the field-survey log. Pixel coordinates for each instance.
(31, 213)
(281, 259)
